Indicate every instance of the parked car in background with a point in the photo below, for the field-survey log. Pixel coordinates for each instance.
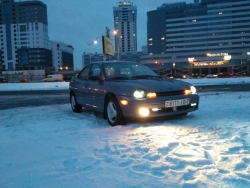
(211, 76)
(25, 80)
(54, 78)
(122, 89)
(180, 76)
(225, 75)
(195, 75)
(246, 74)
(3, 80)
(202, 75)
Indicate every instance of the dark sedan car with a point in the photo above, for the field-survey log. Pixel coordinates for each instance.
(225, 75)
(3, 80)
(25, 80)
(121, 89)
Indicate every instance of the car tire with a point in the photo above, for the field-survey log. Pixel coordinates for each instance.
(74, 105)
(114, 113)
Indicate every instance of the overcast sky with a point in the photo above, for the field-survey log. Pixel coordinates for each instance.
(78, 21)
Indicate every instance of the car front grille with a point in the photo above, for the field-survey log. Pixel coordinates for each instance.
(174, 109)
(170, 93)
(178, 108)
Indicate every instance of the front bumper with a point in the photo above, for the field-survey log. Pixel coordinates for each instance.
(134, 105)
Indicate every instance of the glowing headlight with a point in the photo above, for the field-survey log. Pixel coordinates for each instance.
(144, 112)
(139, 94)
(193, 89)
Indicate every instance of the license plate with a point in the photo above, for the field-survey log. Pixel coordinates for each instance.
(180, 102)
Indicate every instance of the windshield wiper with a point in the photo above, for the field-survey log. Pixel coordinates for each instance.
(118, 78)
(145, 76)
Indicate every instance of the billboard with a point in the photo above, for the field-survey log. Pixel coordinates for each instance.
(108, 47)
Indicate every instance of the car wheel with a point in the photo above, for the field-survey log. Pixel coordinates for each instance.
(114, 112)
(74, 105)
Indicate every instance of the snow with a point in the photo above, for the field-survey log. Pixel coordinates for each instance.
(65, 85)
(50, 146)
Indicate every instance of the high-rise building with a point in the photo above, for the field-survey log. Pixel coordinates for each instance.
(207, 36)
(62, 56)
(24, 34)
(24, 40)
(125, 25)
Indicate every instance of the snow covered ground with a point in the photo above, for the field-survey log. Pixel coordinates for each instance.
(65, 85)
(50, 146)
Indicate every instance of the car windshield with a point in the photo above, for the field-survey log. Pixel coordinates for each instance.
(124, 70)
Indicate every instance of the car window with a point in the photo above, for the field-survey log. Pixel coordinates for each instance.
(117, 71)
(126, 70)
(94, 73)
(142, 70)
(83, 75)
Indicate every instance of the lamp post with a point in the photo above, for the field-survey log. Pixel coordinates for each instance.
(117, 42)
(95, 42)
(173, 65)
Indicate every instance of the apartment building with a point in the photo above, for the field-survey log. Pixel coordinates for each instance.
(125, 24)
(24, 38)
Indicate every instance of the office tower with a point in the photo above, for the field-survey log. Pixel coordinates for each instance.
(212, 25)
(24, 40)
(210, 36)
(125, 24)
(24, 35)
(62, 56)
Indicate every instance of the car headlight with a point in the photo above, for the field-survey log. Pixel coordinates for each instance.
(193, 89)
(139, 94)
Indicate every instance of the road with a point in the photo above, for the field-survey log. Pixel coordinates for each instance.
(14, 99)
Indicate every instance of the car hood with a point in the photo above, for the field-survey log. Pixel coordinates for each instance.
(154, 85)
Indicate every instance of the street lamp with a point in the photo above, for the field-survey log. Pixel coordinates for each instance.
(95, 42)
(173, 64)
(117, 42)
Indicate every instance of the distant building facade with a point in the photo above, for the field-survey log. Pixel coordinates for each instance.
(62, 55)
(125, 56)
(24, 36)
(204, 37)
(125, 23)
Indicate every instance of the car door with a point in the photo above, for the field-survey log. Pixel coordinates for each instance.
(95, 87)
(81, 86)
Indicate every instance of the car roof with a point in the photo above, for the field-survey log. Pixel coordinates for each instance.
(114, 61)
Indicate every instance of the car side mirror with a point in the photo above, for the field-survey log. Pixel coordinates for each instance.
(101, 79)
